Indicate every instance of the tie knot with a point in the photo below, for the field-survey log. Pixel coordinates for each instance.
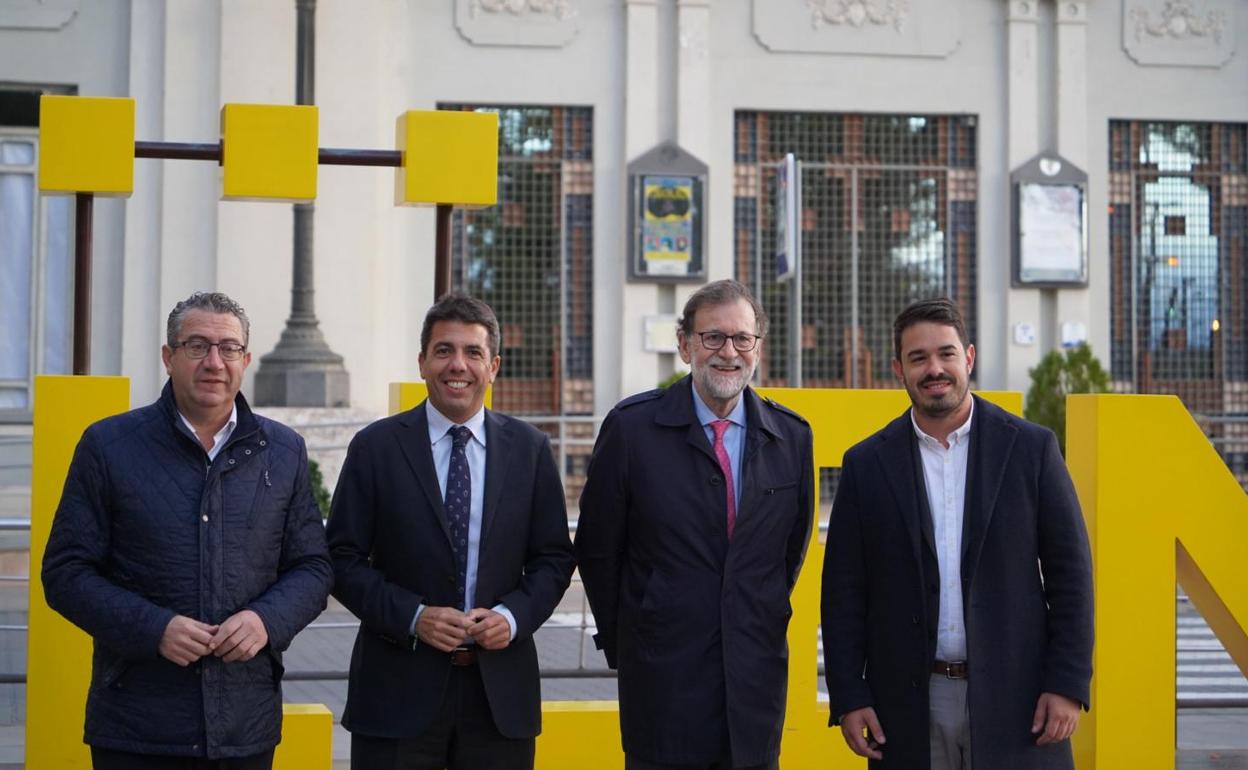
(719, 426)
(459, 435)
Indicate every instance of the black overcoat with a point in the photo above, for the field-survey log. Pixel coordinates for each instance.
(391, 550)
(695, 624)
(1026, 587)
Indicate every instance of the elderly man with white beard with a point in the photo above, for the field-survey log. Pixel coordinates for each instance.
(693, 524)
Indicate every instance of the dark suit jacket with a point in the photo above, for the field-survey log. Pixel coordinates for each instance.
(391, 550)
(1026, 588)
(695, 625)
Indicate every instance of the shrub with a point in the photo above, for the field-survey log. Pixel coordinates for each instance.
(1057, 376)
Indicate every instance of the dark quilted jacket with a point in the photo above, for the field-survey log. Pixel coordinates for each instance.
(146, 530)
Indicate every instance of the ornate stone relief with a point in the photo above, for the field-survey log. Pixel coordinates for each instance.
(1180, 33)
(544, 23)
(37, 14)
(880, 27)
(857, 13)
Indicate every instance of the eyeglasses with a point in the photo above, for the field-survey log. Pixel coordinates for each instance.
(743, 342)
(197, 348)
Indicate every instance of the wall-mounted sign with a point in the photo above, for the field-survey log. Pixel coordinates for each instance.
(667, 216)
(1049, 208)
(788, 222)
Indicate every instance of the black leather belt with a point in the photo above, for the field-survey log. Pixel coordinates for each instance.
(956, 669)
(463, 656)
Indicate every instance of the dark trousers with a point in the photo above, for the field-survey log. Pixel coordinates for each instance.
(107, 759)
(635, 763)
(461, 737)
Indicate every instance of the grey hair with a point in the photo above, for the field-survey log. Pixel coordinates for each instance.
(210, 301)
(721, 293)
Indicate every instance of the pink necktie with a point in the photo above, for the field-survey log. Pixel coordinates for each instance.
(725, 465)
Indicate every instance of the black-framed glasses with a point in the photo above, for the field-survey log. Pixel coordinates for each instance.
(743, 342)
(198, 348)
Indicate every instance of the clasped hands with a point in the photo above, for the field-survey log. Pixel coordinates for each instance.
(237, 638)
(445, 628)
(1055, 720)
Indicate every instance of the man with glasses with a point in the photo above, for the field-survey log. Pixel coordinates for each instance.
(188, 545)
(693, 524)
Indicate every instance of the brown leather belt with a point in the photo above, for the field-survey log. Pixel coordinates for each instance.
(463, 656)
(953, 670)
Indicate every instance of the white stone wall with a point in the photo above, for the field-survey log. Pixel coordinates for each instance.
(1040, 75)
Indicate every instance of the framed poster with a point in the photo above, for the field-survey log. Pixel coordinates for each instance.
(1050, 235)
(667, 217)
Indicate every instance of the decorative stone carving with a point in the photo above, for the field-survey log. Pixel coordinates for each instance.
(541, 23)
(1179, 33)
(927, 28)
(37, 14)
(856, 13)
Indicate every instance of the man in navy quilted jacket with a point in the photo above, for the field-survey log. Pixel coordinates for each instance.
(189, 546)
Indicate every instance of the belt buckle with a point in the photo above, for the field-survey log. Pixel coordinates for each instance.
(463, 656)
(949, 669)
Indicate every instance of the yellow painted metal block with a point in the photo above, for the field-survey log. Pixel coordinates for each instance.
(448, 157)
(86, 144)
(269, 152)
(1161, 506)
(58, 667)
(405, 395)
(307, 738)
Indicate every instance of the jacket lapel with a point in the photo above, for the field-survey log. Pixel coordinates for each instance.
(676, 410)
(760, 430)
(992, 440)
(900, 465)
(419, 455)
(498, 453)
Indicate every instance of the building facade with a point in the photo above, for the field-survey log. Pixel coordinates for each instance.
(907, 116)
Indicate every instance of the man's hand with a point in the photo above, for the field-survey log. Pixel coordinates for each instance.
(1057, 716)
(186, 640)
(854, 727)
(240, 637)
(489, 628)
(443, 628)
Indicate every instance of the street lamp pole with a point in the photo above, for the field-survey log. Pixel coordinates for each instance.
(302, 370)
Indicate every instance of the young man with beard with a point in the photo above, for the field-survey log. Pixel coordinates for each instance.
(693, 524)
(957, 580)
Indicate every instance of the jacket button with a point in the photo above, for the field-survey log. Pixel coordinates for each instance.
(914, 619)
(717, 480)
(205, 517)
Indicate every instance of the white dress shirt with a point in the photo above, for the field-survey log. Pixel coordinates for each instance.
(944, 471)
(222, 436)
(441, 444)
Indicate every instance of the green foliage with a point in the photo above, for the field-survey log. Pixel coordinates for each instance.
(672, 379)
(319, 492)
(1058, 375)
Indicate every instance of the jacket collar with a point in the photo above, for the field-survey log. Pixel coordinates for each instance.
(248, 422)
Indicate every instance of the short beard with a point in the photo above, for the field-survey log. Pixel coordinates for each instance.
(721, 386)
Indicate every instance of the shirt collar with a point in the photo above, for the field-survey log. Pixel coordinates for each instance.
(956, 437)
(226, 429)
(439, 424)
(706, 416)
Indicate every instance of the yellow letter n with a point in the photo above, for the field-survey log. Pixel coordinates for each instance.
(1160, 506)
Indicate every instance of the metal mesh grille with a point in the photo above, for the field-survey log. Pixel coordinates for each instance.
(1177, 220)
(888, 217)
(531, 258)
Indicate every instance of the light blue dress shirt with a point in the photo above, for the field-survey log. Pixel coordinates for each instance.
(442, 443)
(734, 437)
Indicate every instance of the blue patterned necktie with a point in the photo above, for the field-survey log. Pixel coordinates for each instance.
(458, 502)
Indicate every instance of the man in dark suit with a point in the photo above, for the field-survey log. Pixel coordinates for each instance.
(957, 580)
(449, 538)
(693, 524)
